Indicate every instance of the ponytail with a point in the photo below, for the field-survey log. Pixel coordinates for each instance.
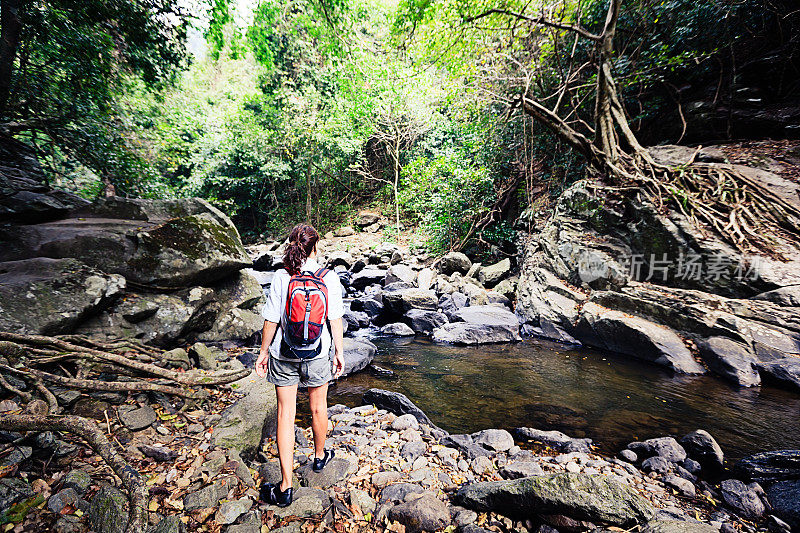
(302, 240)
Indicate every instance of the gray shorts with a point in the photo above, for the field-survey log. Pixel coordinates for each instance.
(311, 373)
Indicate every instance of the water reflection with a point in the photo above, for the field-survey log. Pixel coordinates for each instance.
(583, 393)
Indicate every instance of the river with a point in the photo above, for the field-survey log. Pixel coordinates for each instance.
(584, 393)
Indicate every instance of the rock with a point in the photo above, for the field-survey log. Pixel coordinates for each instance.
(785, 370)
(400, 272)
(425, 278)
(159, 453)
(381, 479)
(426, 513)
(307, 502)
(358, 353)
(454, 262)
(481, 465)
(466, 333)
(676, 526)
(340, 258)
(399, 492)
(344, 231)
(666, 447)
(422, 321)
(402, 301)
(177, 358)
(78, 480)
(61, 499)
(684, 486)
(137, 418)
(228, 512)
(742, 499)
(396, 403)
(210, 495)
(491, 275)
(334, 472)
(108, 511)
(508, 288)
(366, 277)
(628, 455)
(784, 497)
(519, 469)
(363, 501)
(768, 467)
(555, 439)
(498, 440)
(398, 329)
(579, 496)
(656, 464)
(51, 296)
(465, 445)
(487, 314)
(776, 525)
(206, 357)
(731, 360)
(637, 337)
(366, 218)
(239, 324)
(13, 490)
(702, 447)
(404, 422)
(170, 524)
(412, 450)
(245, 423)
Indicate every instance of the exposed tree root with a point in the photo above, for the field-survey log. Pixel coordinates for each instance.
(85, 429)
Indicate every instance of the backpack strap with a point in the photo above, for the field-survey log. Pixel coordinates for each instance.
(321, 273)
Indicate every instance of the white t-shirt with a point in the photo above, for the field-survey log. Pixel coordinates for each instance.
(276, 303)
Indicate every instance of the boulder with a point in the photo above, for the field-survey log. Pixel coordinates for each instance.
(704, 449)
(466, 333)
(784, 497)
(731, 360)
(498, 440)
(678, 526)
(400, 272)
(136, 418)
(340, 258)
(454, 262)
(170, 524)
(53, 296)
(337, 470)
(491, 275)
(108, 510)
(233, 324)
(520, 469)
(366, 218)
(768, 467)
(13, 490)
(785, 370)
(397, 329)
(490, 315)
(210, 495)
(205, 356)
(344, 231)
(508, 288)
(246, 422)
(742, 498)
(593, 498)
(358, 353)
(425, 278)
(366, 277)
(465, 445)
(402, 301)
(307, 503)
(555, 439)
(666, 447)
(396, 403)
(427, 513)
(423, 321)
(637, 337)
(229, 511)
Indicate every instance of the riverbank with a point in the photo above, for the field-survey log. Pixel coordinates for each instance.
(394, 471)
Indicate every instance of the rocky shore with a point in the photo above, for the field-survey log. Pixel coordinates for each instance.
(393, 471)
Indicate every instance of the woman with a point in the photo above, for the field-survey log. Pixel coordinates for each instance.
(286, 371)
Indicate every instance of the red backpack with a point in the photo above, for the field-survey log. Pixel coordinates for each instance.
(305, 315)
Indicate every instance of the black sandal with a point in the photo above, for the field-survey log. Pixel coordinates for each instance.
(319, 464)
(271, 494)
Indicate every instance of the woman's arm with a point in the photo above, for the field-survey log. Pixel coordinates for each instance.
(267, 334)
(337, 333)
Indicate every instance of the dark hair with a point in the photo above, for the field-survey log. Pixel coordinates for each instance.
(302, 241)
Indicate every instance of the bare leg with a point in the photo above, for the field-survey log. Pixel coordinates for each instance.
(318, 398)
(287, 407)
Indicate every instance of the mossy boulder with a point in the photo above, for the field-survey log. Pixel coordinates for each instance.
(108, 512)
(253, 416)
(594, 498)
(52, 296)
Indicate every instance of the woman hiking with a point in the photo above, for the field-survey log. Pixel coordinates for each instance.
(295, 349)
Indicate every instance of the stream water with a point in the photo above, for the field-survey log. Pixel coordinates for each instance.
(583, 393)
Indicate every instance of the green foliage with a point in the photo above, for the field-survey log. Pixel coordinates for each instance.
(215, 34)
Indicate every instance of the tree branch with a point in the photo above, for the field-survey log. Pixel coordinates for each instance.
(541, 21)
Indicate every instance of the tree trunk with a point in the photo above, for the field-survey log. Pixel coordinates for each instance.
(10, 28)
